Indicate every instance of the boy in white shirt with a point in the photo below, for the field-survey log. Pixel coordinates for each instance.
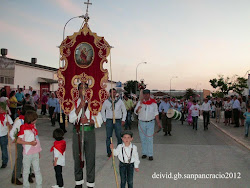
(5, 124)
(128, 157)
(59, 148)
(28, 137)
(195, 113)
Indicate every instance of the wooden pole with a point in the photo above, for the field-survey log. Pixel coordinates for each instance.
(15, 160)
(9, 145)
(113, 158)
(113, 104)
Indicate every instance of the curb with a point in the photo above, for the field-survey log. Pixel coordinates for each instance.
(230, 135)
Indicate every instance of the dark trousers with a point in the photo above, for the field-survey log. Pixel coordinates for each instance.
(109, 132)
(88, 148)
(43, 112)
(51, 112)
(195, 120)
(126, 174)
(19, 162)
(236, 115)
(166, 123)
(128, 120)
(59, 177)
(13, 113)
(205, 119)
(62, 125)
(4, 144)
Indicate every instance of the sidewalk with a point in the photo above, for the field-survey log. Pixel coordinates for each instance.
(236, 133)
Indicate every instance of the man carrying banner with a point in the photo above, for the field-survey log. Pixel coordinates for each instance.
(84, 141)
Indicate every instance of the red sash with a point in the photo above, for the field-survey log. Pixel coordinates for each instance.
(149, 102)
(2, 118)
(60, 146)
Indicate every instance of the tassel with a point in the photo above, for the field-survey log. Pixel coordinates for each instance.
(61, 119)
(96, 122)
(66, 120)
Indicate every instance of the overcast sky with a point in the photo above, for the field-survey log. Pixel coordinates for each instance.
(195, 40)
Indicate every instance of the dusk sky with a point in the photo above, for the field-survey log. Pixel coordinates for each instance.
(195, 40)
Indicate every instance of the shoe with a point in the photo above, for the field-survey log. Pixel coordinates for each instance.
(169, 134)
(30, 179)
(32, 175)
(109, 154)
(17, 181)
(144, 156)
(78, 186)
(55, 186)
(4, 166)
(165, 134)
(151, 158)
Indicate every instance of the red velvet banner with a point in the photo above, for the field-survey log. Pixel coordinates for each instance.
(83, 54)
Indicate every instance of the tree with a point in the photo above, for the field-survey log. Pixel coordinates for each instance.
(130, 86)
(224, 85)
(189, 92)
(239, 85)
(218, 94)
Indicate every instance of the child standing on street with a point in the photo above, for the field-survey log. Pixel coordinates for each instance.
(28, 137)
(128, 157)
(5, 125)
(247, 121)
(58, 149)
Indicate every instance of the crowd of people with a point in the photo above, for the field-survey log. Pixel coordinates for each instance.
(18, 115)
(229, 110)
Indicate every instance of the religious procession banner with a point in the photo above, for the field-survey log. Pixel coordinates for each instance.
(83, 54)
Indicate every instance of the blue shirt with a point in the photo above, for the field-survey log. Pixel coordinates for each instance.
(236, 104)
(19, 97)
(164, 106)
(247, 114)
(52, 102)
(57, 109)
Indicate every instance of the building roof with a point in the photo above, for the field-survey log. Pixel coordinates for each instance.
(31, 64)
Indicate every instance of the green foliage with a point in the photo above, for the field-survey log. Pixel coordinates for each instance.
(239, 85)
(218, 94)
(189, 92)
(224, 85)
(130, 86)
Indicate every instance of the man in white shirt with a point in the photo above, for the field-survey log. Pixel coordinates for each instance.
(236, 111)
(206, 108)
(85, 124)
(147, 111)
(119, 113)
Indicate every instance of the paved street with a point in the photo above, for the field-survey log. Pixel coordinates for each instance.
(186, 151)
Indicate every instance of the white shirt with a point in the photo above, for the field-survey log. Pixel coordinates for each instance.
(16, 127)
(195, 110)
(127, 154)
(4, 129)
(147, 112)
(73, 117)
(61, 158)
(227, 106)
(206, 107)
(236, 104)
(120, 110)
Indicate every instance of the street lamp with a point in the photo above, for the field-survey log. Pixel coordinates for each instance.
(136, 75)
(171, 81)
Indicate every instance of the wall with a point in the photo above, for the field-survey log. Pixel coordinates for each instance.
(28, 76)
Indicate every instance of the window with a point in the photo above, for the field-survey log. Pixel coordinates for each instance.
(6, 80)
(1, 79)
